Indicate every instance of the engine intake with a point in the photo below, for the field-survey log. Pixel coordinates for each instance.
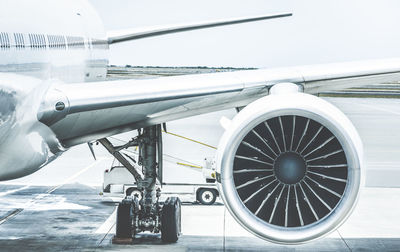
(290, 167)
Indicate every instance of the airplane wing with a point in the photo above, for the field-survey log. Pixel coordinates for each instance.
(133, 34)
(82, 112)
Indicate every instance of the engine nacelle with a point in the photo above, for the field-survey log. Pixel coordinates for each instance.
(290, 166)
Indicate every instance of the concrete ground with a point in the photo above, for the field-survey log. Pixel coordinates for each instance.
(74, 217)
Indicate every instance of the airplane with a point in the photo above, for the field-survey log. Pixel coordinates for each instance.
(290, 165)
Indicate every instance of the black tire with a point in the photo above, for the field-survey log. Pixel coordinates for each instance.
(171, 220)
(124, 222)
(207, 196)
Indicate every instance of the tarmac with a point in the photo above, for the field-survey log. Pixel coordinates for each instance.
(59, 207)
(73, 217)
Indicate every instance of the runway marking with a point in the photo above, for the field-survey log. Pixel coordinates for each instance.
(10, 215)
(14, 190)
(344, 241)
(108, 224)
(48, 192)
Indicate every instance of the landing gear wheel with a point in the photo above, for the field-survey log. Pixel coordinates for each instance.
(133, 191)
(171, 220)
(124, 221)
(207, 196)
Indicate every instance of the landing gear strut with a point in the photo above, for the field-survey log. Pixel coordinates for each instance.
(136, 215)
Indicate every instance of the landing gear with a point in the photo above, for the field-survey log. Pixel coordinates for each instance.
(141, 210)
(134, 192)
(124, 220)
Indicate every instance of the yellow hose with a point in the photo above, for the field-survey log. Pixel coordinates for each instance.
(189, 165)
(189, 139)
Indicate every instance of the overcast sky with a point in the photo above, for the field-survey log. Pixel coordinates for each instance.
(319, 32)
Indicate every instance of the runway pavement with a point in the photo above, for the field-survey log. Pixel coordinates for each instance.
(74, 218)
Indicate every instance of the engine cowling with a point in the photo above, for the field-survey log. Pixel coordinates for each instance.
(290, 166)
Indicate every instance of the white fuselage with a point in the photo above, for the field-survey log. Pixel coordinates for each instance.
(47, 39)
(42, 43)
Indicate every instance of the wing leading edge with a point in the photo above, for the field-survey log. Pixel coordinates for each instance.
(139, 33)
(100, 109)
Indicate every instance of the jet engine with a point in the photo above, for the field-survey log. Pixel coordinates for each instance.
(290, 166)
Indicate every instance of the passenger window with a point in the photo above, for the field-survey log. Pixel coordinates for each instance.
(4, 41)
(33, 41)
(19, 40)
